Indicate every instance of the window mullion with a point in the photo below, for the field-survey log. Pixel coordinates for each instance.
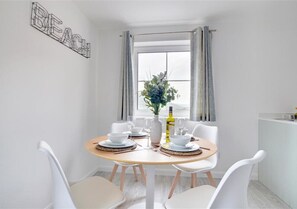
(167, 65)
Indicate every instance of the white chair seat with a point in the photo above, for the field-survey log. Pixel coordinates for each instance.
(197, 197)
(201, 165)
(231, 192)
(90, 193)
(96, 192)
(204, 132)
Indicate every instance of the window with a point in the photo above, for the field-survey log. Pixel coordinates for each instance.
(157, 57)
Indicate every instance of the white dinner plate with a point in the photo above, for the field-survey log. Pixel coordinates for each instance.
(190, 147)
(137, 134)
(110, 144)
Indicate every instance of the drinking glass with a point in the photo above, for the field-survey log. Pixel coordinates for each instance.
(180, 126)
(130, 122)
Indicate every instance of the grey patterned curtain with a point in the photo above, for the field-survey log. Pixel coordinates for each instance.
(202, 105)
(126, 95)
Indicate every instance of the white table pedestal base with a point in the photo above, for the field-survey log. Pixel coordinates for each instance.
(150, 186)
(142, 205)
(150, 191)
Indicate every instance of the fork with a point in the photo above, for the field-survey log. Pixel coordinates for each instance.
(138, 143)
(157, 150)
(125, 151)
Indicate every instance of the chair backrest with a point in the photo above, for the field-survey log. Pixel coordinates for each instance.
(210, 133)
(61, 190)
(120, 126)
(232, 190)
(190, 125)
(139, 122)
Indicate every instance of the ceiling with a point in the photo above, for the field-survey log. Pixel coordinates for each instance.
(118, 14)
(107, 14)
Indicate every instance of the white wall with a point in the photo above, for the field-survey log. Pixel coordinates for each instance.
(109, 60)
(254, 61)
(47, 92)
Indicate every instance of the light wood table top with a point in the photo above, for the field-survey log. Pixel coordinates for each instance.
(148, 156)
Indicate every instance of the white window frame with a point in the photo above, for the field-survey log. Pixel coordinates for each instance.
(157, 47)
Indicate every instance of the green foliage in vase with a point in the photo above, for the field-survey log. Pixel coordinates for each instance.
(158, 92)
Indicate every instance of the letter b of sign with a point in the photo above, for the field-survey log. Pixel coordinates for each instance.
(39, 17)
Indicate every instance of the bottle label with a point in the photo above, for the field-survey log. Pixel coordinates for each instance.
(171, 130)
(170, 125)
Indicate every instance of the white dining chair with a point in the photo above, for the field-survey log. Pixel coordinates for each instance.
(92, 192)
(231, 192)
(119, 127)
(205, 132)
(139, 121)
(190, 125)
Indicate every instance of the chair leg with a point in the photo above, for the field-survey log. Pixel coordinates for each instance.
(114, 170)
(211, 179)
(142, 174)
(193, 180)
(175, 180)
(123, 177)
(135, 173)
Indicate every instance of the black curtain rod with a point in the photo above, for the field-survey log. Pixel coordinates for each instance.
(145, 34)
(160, 33)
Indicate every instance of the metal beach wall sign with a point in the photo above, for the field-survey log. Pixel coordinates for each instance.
(51, 25)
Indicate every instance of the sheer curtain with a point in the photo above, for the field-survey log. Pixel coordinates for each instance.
(202, 105)
(126, 94)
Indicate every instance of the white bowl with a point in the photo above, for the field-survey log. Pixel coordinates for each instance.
(180, 140)
(117, 138)
(136, 130)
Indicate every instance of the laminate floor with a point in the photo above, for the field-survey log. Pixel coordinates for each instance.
(258, 195)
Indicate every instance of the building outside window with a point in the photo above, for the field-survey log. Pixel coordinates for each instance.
(154, 57)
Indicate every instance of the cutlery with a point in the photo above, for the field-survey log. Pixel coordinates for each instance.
(138, 143)
(125, 151)
(157, 150)
(204, 148)
(194, 139)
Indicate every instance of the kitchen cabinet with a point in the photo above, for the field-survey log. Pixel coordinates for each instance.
(278, 171)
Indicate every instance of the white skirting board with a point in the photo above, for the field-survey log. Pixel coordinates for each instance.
(172, 172)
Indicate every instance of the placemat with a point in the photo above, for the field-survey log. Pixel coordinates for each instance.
(196, 152)
(116, 149)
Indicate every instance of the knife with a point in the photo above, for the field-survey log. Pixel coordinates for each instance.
(125, 151)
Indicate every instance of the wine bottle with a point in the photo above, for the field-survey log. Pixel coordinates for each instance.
(169, 125)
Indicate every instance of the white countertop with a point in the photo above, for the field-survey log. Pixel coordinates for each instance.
(278, 117)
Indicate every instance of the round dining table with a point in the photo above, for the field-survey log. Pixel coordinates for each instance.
(150, 158)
